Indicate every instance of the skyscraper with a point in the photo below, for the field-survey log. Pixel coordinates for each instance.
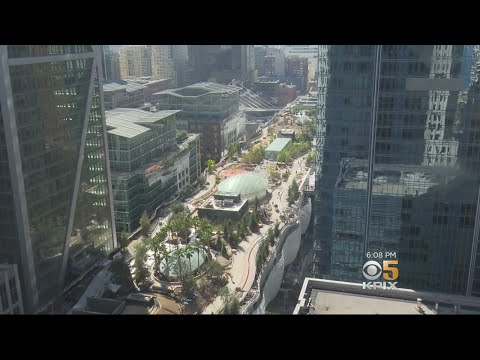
(135, 61)
(163, 64)
(398, 163)
(55, 188)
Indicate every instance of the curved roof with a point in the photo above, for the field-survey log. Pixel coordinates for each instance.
(244, 184)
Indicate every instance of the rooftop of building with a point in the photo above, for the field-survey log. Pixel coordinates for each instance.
(200, 89)
(321, 297)
(147, 81)
(243, 184)
(129, 123)
(129, 87)
(157, 167)
(287, 131)
(223, 204)
(398, 180)
(265, 81)
(278, 144)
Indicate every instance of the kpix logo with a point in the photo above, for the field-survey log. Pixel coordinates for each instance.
(372, 270)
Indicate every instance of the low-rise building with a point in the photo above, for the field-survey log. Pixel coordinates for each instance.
(286, 94)
(286, 133)
(323, 297)
(152, 86)
(148, 167)
(123, 95)
(209, 109)
(276, 147)
(223, 206)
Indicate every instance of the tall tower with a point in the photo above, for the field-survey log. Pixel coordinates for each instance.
(163, 64)
(396, 163)
(55, 188)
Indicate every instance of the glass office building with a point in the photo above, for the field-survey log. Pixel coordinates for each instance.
(55, 192)
(398, 163)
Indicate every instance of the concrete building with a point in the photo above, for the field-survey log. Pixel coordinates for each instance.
(148, 167)
(296, 71)
(111, 64)
(276, 147)
(309, 52)
(10, 291)
(267, 89)
(222, 63)
(56, 202)
(124, 95)
(326, 297)
(223, 206)
(275, 63)
(418, 118)
(151, 86)
(260, 53)
(286, 133)
(135, 61)
(180, 59)
(163, 63)
(285, 94)
(209, 109)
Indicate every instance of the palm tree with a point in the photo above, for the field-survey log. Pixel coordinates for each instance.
(195, 222)
(205, 235)
(188, 252)
(156, 243)
(165, 254)
(178, 262)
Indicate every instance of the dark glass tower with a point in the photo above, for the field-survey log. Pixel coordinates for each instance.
(55, 190)
(398, 166)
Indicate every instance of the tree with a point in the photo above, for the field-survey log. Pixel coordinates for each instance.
(224, 294)
(188, 285)
(201, 180)
(253, 224)
(205, 230)
(311, 158)
(188, 253)
(233, 307)
(226, 230)
(231, 150)
(123, 239)
(156, 244)
(273, 174)
(276, 229)
(238, 148)
(145, 223)
(215, 272)
(256, 203)
(271, 237)
(211, 165)
(179, 264)
(255, 155)
(283, 156)
(178, 208)
(141, 272)
(293, 192)
(181, 136)
(240, 231)
(166, 256)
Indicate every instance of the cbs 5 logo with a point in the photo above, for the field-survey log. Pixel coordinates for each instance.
(372, 270)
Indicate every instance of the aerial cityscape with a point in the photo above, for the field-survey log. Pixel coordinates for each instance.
(239, 179)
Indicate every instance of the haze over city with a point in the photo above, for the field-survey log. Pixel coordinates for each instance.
(239, 179)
